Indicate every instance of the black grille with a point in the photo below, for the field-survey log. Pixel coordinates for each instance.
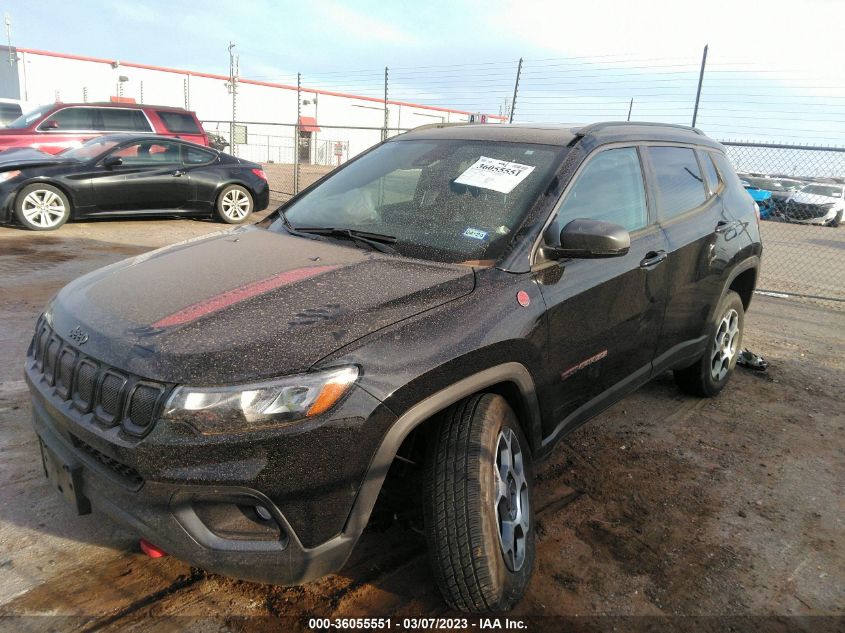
(113, 396)
(127, 473)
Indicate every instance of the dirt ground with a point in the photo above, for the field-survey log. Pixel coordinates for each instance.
(664, 505)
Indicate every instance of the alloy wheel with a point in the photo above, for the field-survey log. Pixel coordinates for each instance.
(511, 499)
(235, 204)
(724, 345)
(43, 208)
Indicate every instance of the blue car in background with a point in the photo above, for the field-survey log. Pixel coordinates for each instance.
(762, 197)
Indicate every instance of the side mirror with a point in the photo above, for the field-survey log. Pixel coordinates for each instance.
(112, 161)
(587, 239)
(50, 125)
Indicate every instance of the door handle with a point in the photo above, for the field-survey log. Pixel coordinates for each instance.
(724, 227)
(653, 258)
(178, 172)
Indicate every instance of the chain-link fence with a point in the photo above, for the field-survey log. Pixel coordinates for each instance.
(292, 166)
(800, 190)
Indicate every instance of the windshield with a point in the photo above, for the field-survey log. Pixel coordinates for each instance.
(25, 120)
(443, 200)
(823, 190)
(90, 149)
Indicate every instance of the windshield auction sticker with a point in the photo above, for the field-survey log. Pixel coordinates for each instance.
(498, 175)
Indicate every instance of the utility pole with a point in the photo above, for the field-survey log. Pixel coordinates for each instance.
(8, 20)
(700, 81)
(233, 90)
(386, 112)
(515, 88)
(296, 133)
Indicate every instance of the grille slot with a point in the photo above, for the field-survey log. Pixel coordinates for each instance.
(127, 473)
(113, 396)
(64, 378)
(143, 404)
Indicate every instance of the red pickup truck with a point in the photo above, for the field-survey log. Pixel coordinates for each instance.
(58, 126)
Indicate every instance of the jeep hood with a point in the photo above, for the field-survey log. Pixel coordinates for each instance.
(245, 304)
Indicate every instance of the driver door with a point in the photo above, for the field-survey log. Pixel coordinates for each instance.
(604, 315)
(151, 178)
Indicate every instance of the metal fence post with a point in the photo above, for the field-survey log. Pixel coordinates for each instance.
(515, 88)
(296, 134)
(700, 81)
(386, 112)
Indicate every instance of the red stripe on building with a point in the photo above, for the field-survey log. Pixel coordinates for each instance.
(231, 297)
(255, 82)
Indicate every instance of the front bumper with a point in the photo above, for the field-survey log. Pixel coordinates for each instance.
(184, 505)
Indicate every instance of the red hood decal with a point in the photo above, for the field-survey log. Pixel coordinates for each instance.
(237, 295)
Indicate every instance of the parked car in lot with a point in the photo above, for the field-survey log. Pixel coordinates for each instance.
(449, 304)
(56, 127)
(762, 197)
(10, 109)
(124, 175)
(816, 203)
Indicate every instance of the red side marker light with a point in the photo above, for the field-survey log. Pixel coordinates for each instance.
(260, 173)
(523, 299)
(151, 550)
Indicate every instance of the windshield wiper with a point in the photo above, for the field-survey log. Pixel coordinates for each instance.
(377, 241)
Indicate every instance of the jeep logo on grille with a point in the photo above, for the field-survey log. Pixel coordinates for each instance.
(78, 336)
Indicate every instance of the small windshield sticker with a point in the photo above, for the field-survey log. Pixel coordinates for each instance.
(475, 234)
(498, 175)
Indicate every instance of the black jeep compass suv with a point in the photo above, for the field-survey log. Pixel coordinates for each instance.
(481, 290)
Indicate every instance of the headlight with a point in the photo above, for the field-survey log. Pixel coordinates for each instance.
(261, 405)
(8, 175)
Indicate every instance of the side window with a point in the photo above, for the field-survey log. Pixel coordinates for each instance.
(149, 153)
(680, 186)
(610, 188)
(179, 122)
(726, 170)
(713, 180)
(70, 119)
(196, 156)
(124, 120)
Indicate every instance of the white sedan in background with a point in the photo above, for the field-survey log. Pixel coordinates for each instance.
(817, 203)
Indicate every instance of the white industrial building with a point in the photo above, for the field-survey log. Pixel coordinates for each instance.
(330, 122)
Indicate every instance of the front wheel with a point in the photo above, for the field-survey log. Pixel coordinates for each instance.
(478, 512)
(42, 207)
(710, 374)
(234, 205)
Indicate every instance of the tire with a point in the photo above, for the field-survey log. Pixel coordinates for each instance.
(709, 375)
(461, 509)
(234, 205)
(42, 207)
(836, 219)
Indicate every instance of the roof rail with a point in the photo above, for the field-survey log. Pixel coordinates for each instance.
(130, 103)
(441, 124)
(595, 127)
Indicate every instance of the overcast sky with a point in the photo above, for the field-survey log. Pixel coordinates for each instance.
(775, 69)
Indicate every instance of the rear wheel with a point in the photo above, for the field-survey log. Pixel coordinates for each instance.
(234, 205)
(42, 207)
(710, 374)
(478, 511)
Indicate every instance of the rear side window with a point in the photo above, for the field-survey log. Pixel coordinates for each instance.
(69, 119)
(710, 170)
(124, 120)
(610, 188)
(680, 186)
(196, 156)
(726, 170)
(179, 122)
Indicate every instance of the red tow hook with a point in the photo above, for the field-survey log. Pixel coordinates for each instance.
(151, 550)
